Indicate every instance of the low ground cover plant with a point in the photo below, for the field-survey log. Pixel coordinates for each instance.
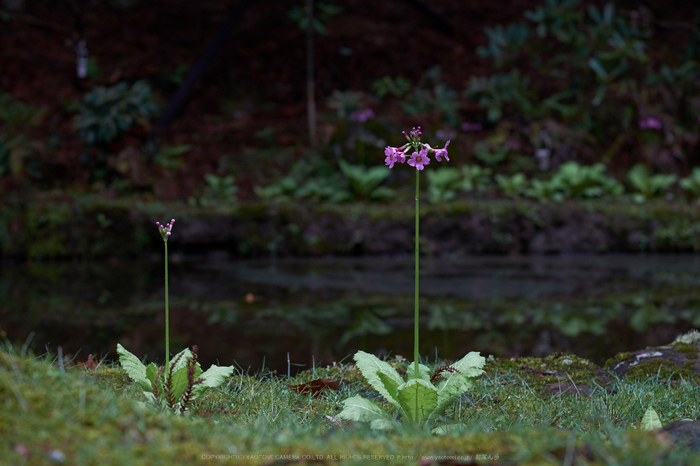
(423, 397)
(179, 382)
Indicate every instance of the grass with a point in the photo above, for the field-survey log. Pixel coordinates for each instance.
(80, 416)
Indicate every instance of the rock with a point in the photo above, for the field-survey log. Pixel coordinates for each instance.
(679, 359)
(684, 434)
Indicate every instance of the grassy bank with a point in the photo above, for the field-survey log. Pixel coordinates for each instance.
(558, 410)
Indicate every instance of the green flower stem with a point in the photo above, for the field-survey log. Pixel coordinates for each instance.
(415, 313)
(167, 321)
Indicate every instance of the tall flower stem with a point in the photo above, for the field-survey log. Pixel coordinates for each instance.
(167, 314)
(415, 299)
(165, 232)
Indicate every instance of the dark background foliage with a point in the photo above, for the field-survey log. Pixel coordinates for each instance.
(246, 114)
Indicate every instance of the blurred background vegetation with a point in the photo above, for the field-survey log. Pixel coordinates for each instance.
(546, 100)
(574, 127)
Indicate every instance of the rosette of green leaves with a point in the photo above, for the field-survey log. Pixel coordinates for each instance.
(512, 186)
(108, 113)
(648, 185)
(443, 184)
(418, 399)
(691, 184)
(582, 181)
(365, 183)
(177, 385)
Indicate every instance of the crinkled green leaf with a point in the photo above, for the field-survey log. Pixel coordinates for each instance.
(369, 365)
(423, 372)
(390, 384)
(448, 391)
(134, 367)
(151, 371)
(418, 399)
(180, 360)
(212, 378)
(362, 410)
(650, 420)
(179, 383)
(381, 424)
(454, 384)
(447, 429)
(365, 181)
(471, 365)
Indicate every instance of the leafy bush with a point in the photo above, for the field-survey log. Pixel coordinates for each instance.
(313, 181)
(176, 385)
(433, 97)
(512, 186)
(648, 185)
(423, 398)
(443, 184)
(219, 189)
(573, 180)
(545, 190)
(500, 90)
(581, 181)
(476, 178)
(387, 85)
(691, 184)
(17, 120)
(109, 113)
(365, 182)
(586, 71)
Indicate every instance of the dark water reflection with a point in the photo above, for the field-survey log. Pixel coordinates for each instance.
(322, 310)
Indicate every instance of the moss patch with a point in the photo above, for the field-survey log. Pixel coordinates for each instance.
(672, 362)
(81, 416)
(557, 373)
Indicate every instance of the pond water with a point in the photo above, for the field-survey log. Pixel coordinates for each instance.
(254, 313)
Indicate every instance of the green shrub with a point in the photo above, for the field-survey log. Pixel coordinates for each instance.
(443, 184)
(17, 120)
(364, 183)
(512, 186)
(648, 185)
(580, 181)
(109, 113)
(219, 189)
(585, 70)
(432, 96)
(476, 178)
(691, 184)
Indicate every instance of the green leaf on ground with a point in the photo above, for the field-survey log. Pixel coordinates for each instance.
(369, 365)
(362, 410)
(418, 399)
(650, 420)
(134, 367)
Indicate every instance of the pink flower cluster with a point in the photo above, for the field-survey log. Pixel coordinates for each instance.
(419, 159)
(165, 230)
(362, 115)
(469, 127)
(649, 123)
